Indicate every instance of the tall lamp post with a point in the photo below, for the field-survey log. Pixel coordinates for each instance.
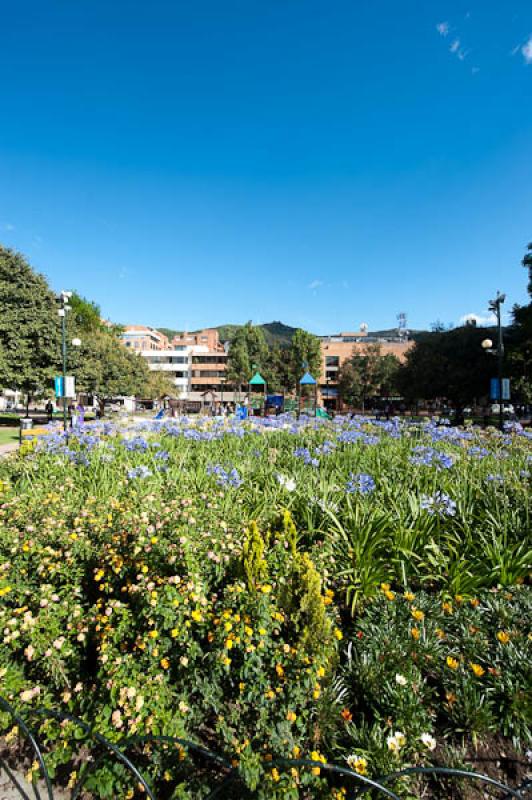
(487, 344)
(63, 299)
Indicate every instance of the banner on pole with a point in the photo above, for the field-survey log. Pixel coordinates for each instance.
(494, 389)
(58, 385)
(70, 387)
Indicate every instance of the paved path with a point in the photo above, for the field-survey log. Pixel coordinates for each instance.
(10, 447)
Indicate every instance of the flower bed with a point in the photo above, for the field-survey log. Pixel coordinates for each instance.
(329, 590)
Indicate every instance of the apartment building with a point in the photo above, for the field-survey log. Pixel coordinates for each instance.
(338, 348)
(175, 363)
(196, 363)
(142, 338)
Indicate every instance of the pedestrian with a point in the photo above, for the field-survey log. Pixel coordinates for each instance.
(49, 410)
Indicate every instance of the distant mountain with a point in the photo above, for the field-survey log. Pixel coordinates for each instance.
(170, 332)
(278, 333)
(274, 333)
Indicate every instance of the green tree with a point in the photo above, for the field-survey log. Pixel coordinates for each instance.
(366, 374)
(305, 348)
(449, 365)
(520, 341)
(29, 327)
(103, 366)
(159, 385)
(248, 348)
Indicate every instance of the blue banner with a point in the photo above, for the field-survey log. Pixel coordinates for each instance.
(58, 386)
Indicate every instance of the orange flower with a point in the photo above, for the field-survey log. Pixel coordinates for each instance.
(417, 614)
(346, 714)
(477, 669)
(415, 633)
(503, 637)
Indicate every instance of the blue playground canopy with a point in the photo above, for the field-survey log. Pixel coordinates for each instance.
(307, 380)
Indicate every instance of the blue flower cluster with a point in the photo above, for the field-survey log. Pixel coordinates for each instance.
(305, 454)
(430, 457)
(139, 472)
(439, 504)
(225, 477)
(360, 483)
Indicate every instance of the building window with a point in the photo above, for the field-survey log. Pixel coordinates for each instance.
(332, 361)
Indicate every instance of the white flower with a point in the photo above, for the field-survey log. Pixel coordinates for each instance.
(401, 680)
(396, 741)
(428, 740)
(287, 483)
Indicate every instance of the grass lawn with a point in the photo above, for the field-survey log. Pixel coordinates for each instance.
(8, 435)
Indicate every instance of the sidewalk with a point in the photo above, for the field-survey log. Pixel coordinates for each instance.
(10, 447)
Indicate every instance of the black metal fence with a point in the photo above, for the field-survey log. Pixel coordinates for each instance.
(223, 777)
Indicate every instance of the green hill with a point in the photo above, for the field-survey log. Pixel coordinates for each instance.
(275, 332)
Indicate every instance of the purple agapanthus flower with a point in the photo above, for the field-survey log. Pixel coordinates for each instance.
(360, 484)
(439, 503)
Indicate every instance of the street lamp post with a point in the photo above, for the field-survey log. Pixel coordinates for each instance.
(487, 344)
(64, 297)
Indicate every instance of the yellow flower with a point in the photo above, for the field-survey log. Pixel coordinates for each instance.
(226, 660)
(296, 751)
(439, 633)
(291, 716)
(447, 607)
(279, 670)
(270, 694)
(451, 662)
(153, 634)
(417, 614)
(321, 672)
(503, 637)
(338, 633)
(477, 669)
(165, 663)
(196, 615)
(389, 595)
(174, 633)
(409, 596)
(415, 634)
(385, 587)
(266, 588)
(275, 775)
(228, 644)
(358, 764)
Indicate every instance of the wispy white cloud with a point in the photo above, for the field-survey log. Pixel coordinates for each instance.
(8, 226)
(455, 46)
(526, 50)
(315, 284)
(443, 28)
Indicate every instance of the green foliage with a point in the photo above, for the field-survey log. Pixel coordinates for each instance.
(304, 349)
(254, 563)
(448, 364)
(367, 373)
(30, 344)
(302, 601)
(135, 603)
(248, 348)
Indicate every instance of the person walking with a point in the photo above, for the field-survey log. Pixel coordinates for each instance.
(49, 408)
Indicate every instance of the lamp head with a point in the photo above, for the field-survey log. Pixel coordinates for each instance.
(486, 344)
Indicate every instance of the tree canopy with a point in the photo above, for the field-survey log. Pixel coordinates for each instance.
(29, 326)
(448, 365)
(367, 373)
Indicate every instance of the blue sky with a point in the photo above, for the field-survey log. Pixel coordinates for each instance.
(322, 162)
